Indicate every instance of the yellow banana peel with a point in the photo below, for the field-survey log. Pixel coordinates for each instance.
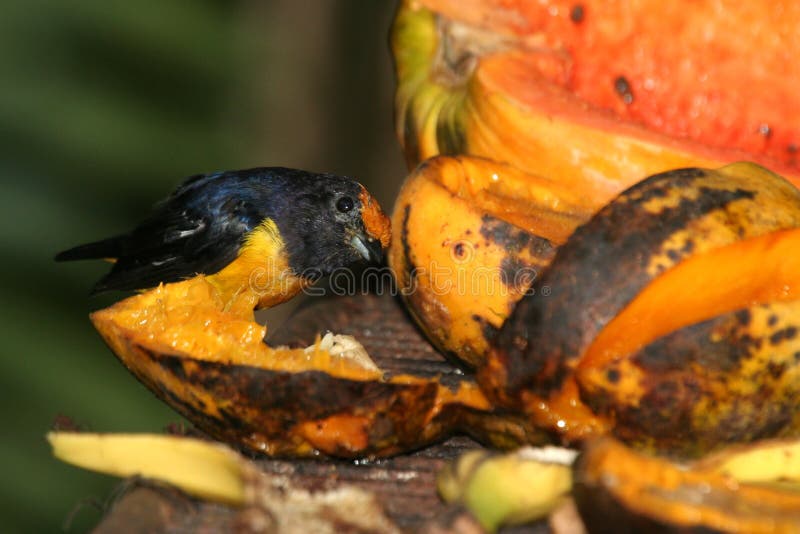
(201, 468)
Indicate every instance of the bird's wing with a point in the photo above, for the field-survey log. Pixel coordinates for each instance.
(174, 244)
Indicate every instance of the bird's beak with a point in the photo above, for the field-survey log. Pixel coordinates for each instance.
(369, 248)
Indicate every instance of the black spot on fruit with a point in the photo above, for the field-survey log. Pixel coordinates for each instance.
(613, 375)
(743, 317)
(515, 239)
(408, 265)
(577, 13)
(489, 331)
(623, 88)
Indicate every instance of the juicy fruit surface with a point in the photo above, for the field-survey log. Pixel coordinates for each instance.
(207, 359)
(189, 318)
(719, 73)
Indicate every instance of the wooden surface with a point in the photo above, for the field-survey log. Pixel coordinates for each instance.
(404, 485)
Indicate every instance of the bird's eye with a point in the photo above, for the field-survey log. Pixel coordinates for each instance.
(345, 204)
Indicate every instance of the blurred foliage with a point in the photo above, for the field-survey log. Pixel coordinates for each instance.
(104, 107)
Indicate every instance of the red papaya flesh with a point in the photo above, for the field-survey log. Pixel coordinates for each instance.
(720, 73)
(600, 94)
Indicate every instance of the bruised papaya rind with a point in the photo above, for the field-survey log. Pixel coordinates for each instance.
(688, 368)
(642, 233)
(472, 82)
(733, 378)
(614, 485)
(470, 235)
(608, 261)
(207, 360)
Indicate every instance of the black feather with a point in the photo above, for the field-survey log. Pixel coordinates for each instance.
(106, 248)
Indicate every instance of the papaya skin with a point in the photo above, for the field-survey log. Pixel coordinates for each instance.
(207, 360)
(470, 235)
(615, 485)
(472, 82)
(730, 379)
(606, 263)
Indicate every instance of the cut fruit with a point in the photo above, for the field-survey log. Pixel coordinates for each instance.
(754, 271)
(470, 236)
(624, 296)
(208, 361)
(691, 365)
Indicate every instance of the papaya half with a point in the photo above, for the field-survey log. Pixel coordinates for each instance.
(669, 319)
(208, 360)
(206, 357)
(596, 94)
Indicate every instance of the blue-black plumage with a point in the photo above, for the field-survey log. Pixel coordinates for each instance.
(323, 222)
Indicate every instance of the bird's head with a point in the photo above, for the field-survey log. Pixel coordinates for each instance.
(335, 225)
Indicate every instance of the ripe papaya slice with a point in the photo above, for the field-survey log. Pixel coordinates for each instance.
(207, 359)
(470, 235)
(599, 94)
(611, 261)
(693, 363)
(634, 492)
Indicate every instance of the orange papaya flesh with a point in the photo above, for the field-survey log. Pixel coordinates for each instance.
(188, 318)
(207, 359)
(606, 262)
(470, 235)
(602, 102)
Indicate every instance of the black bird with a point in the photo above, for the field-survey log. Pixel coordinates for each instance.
(272, 229)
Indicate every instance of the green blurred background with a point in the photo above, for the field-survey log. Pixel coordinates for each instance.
(104, 107)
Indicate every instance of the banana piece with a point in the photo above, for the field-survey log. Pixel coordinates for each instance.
(200, 468)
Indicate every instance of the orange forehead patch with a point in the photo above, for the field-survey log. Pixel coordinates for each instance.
(376, 223)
